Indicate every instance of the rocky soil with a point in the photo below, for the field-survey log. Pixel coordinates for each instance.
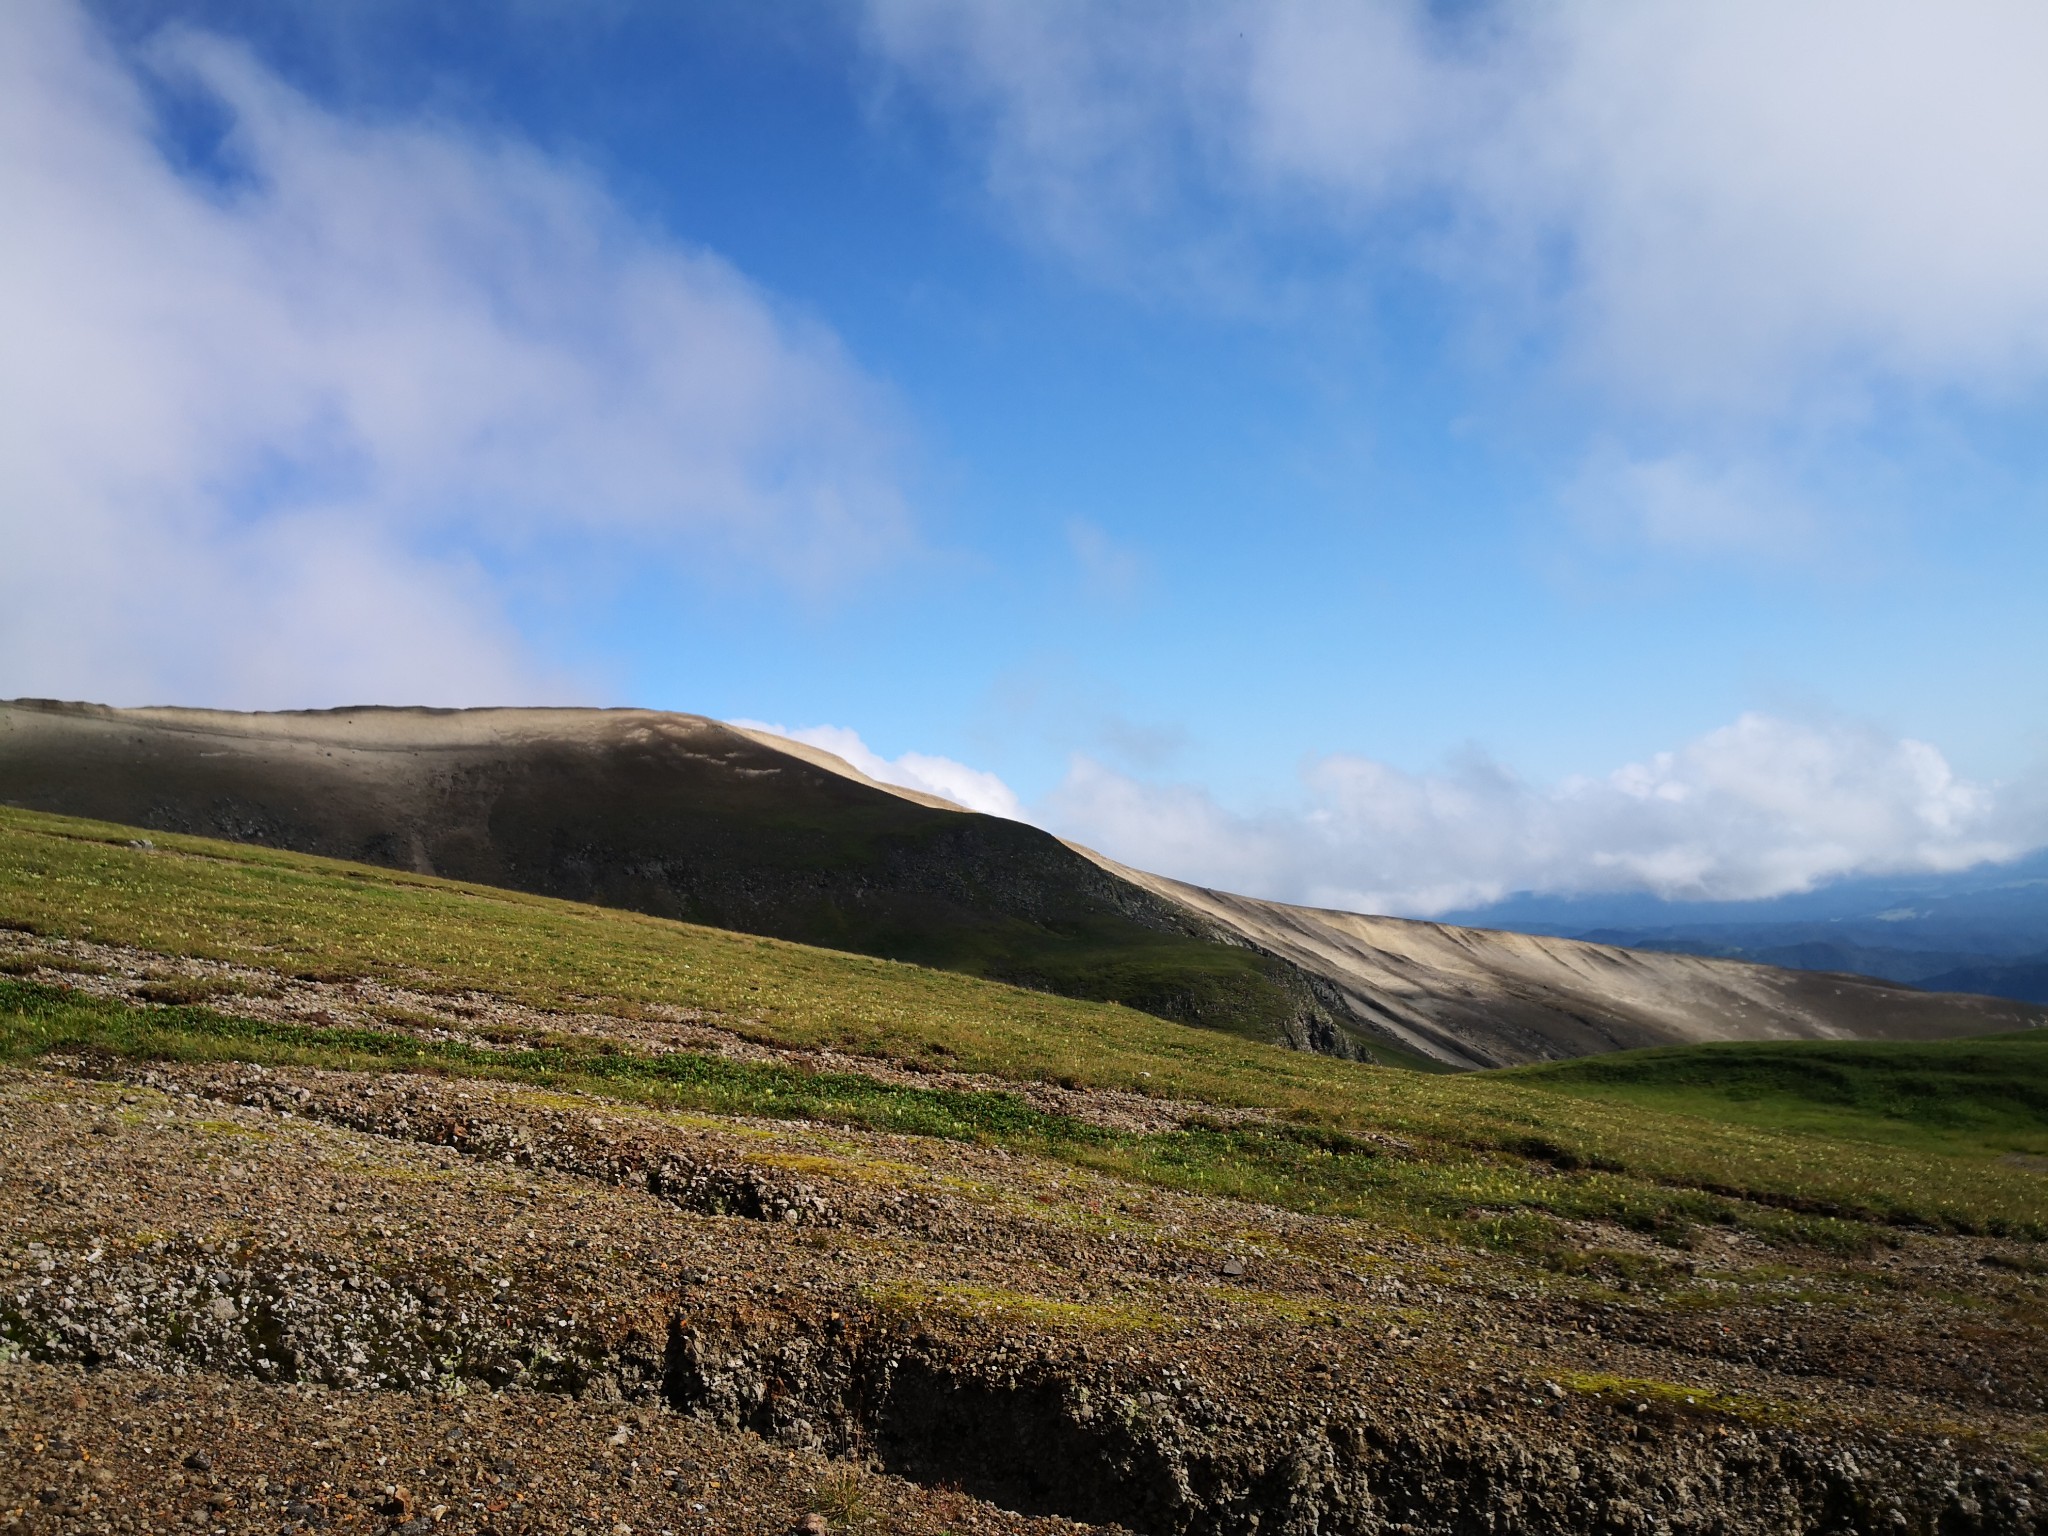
(246, 1299)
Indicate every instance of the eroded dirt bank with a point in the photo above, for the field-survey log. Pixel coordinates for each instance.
(610, 1309)
(241, 1298)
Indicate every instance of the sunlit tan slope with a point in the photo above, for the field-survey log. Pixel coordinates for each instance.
(682, 816)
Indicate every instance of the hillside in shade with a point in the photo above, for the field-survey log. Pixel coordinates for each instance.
(681, 816)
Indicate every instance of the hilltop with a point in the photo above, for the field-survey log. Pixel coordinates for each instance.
(681, 816)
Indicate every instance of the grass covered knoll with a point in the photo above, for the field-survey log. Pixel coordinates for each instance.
(1485, 1152)
(300, 913)
(669, 815)
(1983, 1096)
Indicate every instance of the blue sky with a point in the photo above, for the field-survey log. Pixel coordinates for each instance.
(1383, 455)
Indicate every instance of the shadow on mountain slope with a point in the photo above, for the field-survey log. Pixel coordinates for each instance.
(672, 815)
(682, 817)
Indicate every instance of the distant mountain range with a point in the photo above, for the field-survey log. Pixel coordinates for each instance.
(684, 817)
(1982, 930)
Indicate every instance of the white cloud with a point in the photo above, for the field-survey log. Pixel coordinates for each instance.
(284, 437)
(1695, 504)
(1072, 106)
(942, 776)
(1728, 206)
(1761, 807)
(1758, 808)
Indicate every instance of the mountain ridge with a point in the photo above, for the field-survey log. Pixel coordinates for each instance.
(1983, 929)
(684, 816)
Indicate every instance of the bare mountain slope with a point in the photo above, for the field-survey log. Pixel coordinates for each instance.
(673, 815)
(1484, 998)
(1478, 997)
(681, 816)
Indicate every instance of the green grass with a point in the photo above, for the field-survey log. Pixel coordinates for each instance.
(1297, 1167)
(36, 1020)
(1492, 1158)
(1976, 1097)
(1473, 1193)
(300, 914)
(1628, 1391)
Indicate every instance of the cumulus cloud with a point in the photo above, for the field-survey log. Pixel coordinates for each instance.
(1758, 808)
(1762, 807)
(287, 428)
(1728, 206)
(942, 776)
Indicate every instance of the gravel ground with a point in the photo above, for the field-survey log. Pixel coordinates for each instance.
(245, 1299)
(131, 1451)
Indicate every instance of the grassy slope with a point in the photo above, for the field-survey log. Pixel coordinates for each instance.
(1957, 1097)
(742, 837)
(680, 820)
(1493, 1157)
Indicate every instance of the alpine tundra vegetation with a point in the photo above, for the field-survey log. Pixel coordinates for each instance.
(357, 1195)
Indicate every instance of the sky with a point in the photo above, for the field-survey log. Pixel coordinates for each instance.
(1381, 455)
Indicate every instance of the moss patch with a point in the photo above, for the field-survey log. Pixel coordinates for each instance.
(1634, 1391)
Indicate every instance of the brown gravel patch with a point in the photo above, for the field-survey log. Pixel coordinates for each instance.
(128, 1451)
(620, 1313)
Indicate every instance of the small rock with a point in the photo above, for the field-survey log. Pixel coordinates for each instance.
(222, 1308)
(813, 1525)
(1556, 1392)
(199, 1461)
(1233, 1267)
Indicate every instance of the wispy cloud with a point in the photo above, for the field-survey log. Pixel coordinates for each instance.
(1109, 569)
(287, 436)
(1697, 504)
(1717, 228)
(1716, 199)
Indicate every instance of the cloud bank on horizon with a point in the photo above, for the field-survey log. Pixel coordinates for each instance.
(1762, 807)
(314, 415)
